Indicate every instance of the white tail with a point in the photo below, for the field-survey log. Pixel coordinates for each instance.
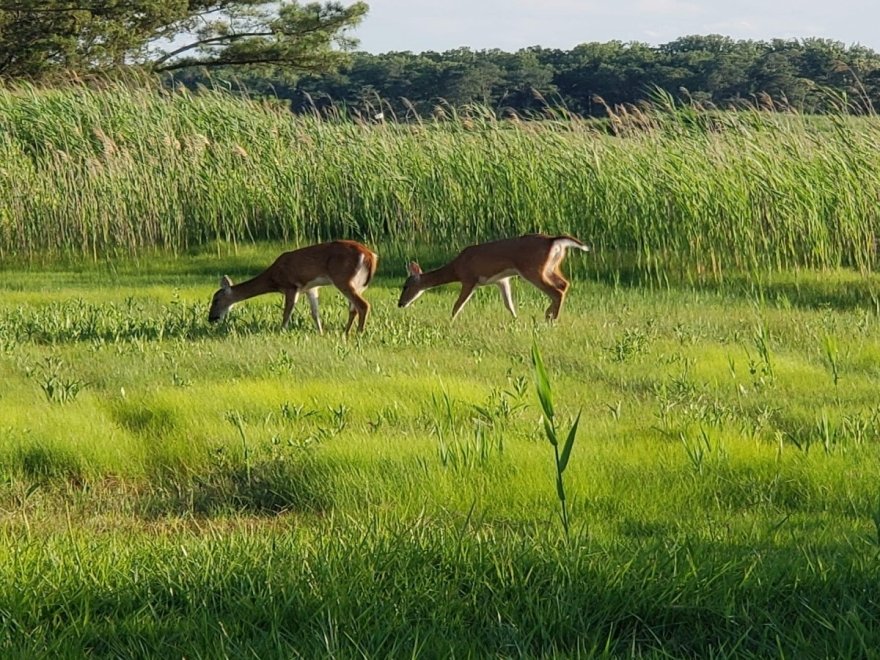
(567, 242)
(535, 257)
(347, 265)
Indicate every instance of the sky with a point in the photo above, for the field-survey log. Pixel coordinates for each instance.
(420, 25)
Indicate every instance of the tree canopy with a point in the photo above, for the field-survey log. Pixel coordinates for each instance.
(39, 38)
(813, 75)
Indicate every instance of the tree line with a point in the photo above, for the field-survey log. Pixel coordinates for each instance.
(811, 75)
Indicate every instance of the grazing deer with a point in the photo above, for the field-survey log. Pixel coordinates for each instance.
(535, 257)
(347, 265)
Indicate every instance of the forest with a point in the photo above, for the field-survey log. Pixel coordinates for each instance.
(810, 75)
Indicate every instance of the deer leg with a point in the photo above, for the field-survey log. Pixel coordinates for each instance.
(357, 306)
(557, 296)
(557, 278)
(467, 290)
(313, 304)
(562, 285)
(504, 286)
(352, 313)
(363, 309)
(290, 298)
(554, 289)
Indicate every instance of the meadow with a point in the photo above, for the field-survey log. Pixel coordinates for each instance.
(178, 488)
(173, 487)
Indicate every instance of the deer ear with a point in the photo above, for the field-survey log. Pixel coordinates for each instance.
(225, 282)
(413, 268)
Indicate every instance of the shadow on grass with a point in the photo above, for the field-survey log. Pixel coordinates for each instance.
(839, 290)
(398, 590)
(78, 321)
(41, 464)
(267, 488)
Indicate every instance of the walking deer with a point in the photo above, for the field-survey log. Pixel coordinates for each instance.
(534, 257)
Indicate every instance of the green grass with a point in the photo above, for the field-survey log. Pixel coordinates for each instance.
(678, 193)
(172, 487)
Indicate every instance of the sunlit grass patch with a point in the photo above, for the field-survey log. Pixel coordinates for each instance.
(79, 436)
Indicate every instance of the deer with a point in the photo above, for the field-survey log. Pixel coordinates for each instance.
(534, 257)
(347, 265)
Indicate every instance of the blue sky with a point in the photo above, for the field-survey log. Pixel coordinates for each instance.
(419, 25)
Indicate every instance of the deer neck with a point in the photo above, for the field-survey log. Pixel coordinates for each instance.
(438, 277)
(252, 287)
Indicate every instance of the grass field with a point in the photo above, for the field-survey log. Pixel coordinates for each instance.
(170, 487)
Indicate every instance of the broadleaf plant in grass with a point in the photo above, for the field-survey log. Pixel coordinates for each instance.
(545, 396)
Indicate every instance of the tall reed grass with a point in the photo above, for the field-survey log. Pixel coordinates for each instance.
(125, 169)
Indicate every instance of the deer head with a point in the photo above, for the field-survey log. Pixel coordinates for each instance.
(222, 300)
